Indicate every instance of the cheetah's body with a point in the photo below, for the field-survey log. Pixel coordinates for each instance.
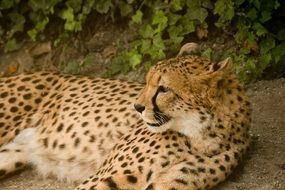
(196, 127)
(77, 121)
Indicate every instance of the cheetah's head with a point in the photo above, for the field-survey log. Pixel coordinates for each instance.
(181, 94)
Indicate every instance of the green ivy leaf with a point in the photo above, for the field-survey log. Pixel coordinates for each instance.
(173, 18)
(256, 3)
(147, 65)
(252, 14)
(158, 42)
(278, 52)
(147, 31)
(145, 45)
(265, 16)
(266, 45)
(259, 29)
(175, 34)
(40, 26)
(18, 21)
(1, 31)
(137, 18)
(32, 34)
(158, 48)
(239, 2)
(208, 4)
(276, 5)
(160, 19)
(225, 9)
(68, 14)
(177, 5)
(281, 35)
(43, 5)
(174, 31)
(11, 45)
(6, 4)
(264, 61)
(188, 27)
(198, 13)
(125, 8)
(103, 6)
(70, 23)
(74, 4)
(134, 58)
(207, 53)
(72, 67)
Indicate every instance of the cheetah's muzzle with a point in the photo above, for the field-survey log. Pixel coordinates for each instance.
(161, 119)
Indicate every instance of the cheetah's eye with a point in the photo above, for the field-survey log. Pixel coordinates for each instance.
(163, 89)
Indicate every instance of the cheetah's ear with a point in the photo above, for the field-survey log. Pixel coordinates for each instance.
(219, 70)
(216, 77)
(189, 49)
(224, 65)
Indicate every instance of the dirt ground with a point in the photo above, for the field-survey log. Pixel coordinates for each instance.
(262, 169)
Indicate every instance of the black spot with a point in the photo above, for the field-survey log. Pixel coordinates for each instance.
(152, 143)
(84, 124)
(62, 146)
(165, 164)
(18, 164)
(220, 126)
(12, 100)
(110, 183)
(216, 66)
(14, 109)
(45, 142)
(54, 144)
(60, 127)
(148, 175)
(227, 158)
(239, 98)
(132, 179)
(212, 171)
(4, 94)
(27, 96)
(150, 187)
(27, 108)
(76, 142)
(184, 170)
(141, 159)
(222, 168)
(17, 118)
(2, 172)
(201, 170)
(127, 172)
(40, 86)
(181, 181)
(215, 179)
(135, 150)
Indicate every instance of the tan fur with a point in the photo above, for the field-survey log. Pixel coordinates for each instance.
(196, 120)
(201, 124)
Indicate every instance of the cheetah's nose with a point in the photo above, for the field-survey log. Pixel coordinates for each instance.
(139, 108)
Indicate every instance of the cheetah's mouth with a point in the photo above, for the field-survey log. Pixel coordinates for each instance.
(161, 120)
(155, 124)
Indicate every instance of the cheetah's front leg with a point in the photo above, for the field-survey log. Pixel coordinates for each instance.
(178, 177)
(191, 175)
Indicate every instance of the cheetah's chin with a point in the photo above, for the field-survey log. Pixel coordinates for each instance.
(154, 124)
(159, 127)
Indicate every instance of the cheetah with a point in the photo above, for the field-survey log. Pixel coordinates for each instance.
(186, 128)
(62, 124)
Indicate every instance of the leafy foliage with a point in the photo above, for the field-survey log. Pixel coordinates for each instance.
(161, 27)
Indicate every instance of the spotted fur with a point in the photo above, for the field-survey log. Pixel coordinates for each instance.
(191, 133)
